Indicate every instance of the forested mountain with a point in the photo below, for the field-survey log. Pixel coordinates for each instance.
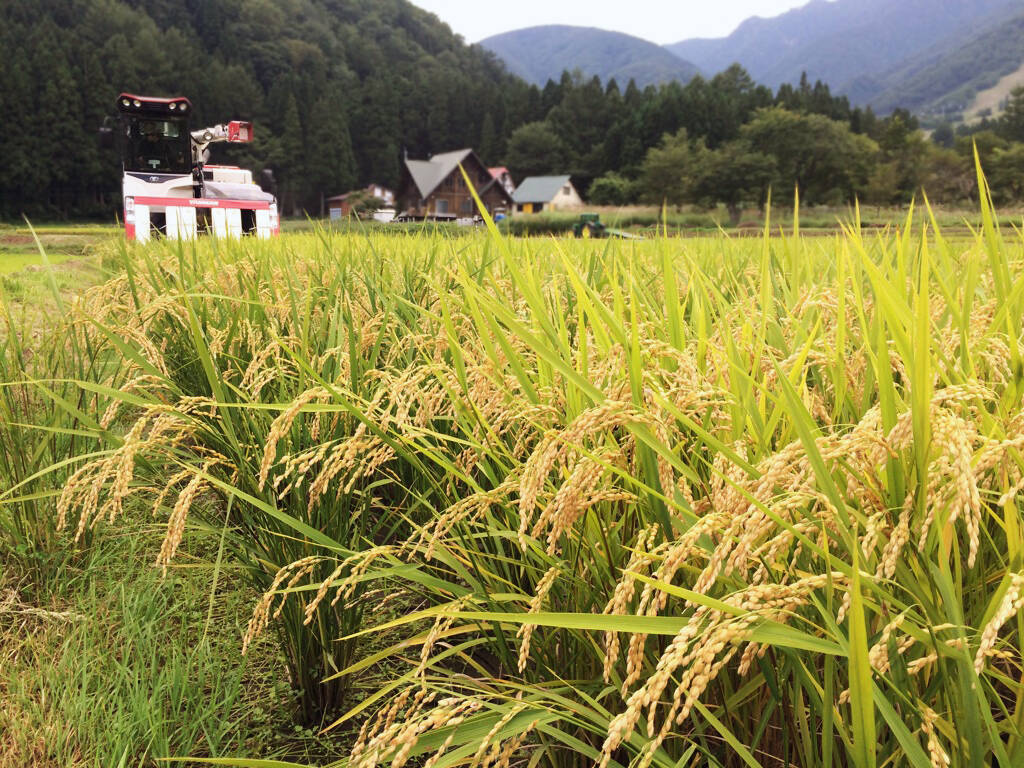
(846, 42)
(337, 89)
(944, 79)
(539, 54)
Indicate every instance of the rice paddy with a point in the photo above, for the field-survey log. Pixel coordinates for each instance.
(544, 502)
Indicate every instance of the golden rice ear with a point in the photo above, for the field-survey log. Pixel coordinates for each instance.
(536, 603)
(283, 424)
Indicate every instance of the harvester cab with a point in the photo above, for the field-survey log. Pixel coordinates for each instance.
(170, 190)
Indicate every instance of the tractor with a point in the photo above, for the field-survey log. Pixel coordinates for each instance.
(589, 225)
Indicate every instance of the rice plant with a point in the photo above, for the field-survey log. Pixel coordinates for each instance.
(673, 502)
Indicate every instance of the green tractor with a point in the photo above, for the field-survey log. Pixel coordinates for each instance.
(589, 225)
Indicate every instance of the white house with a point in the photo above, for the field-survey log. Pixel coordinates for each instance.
(543, 193)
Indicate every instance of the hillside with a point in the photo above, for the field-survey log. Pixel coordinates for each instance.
(539, 54)
(337, 88)
(990, 100)
(946, 78)
(846, 43)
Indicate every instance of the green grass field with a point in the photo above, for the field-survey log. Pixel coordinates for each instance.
(471, 499)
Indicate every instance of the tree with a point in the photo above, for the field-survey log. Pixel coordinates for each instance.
(613, 189)
(670, 169)
(944, 135)
(535, 150)
(1011, 124)
(987, 142)
(821, 157)
(488, 139)
(734, 174)
(1006, 175)
(582, 121)
(949, 176)
(904, 156)
(289, 164)
(331, 161)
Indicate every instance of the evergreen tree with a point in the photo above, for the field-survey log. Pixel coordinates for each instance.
(1011, 124)
(535, 150)
(489, 150)
(330, 159)
(290, 166)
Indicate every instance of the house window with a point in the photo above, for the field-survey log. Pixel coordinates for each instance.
(567, 190)
(466, 208)
(442, 206)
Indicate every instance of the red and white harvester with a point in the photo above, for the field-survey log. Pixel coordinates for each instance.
(168, 187)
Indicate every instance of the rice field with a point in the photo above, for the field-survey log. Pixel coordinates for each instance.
(547, 502)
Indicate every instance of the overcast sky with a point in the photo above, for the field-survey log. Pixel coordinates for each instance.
(661, 21)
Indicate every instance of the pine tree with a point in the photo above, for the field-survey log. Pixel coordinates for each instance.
(331, 161)
(290, 164)
(1011, 124)
(489, 140)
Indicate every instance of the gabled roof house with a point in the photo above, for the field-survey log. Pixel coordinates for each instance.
(435, 188)
(541, 193)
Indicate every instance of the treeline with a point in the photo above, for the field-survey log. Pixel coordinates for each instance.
(339, 89)
(729, 140)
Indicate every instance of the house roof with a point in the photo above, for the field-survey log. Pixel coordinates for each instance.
(347, 195)
(498, 172)
(539, 189)
(428, 174)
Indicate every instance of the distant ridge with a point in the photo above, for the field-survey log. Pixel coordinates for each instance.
(856, 46)
(945, 79)
(539, 54)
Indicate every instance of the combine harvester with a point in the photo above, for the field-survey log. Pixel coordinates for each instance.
(170, 191)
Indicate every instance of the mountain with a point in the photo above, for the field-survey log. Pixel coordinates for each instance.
(539, 54)
(946, 78)
(850, 44)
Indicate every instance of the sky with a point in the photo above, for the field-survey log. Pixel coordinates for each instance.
(660, 21)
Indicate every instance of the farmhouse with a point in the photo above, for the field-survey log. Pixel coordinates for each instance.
(541, 193)
(504, 177)
(435, 188)
(340, 206)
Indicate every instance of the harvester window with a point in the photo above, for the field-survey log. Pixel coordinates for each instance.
(248, 221)
(157, 146)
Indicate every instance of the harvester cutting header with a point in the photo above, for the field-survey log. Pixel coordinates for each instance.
(169, 188)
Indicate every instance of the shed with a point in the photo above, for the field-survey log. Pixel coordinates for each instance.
(541, 193)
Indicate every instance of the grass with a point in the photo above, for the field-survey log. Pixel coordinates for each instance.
(118, 666)
(718, 501)
(73, 263)
(14, 261)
